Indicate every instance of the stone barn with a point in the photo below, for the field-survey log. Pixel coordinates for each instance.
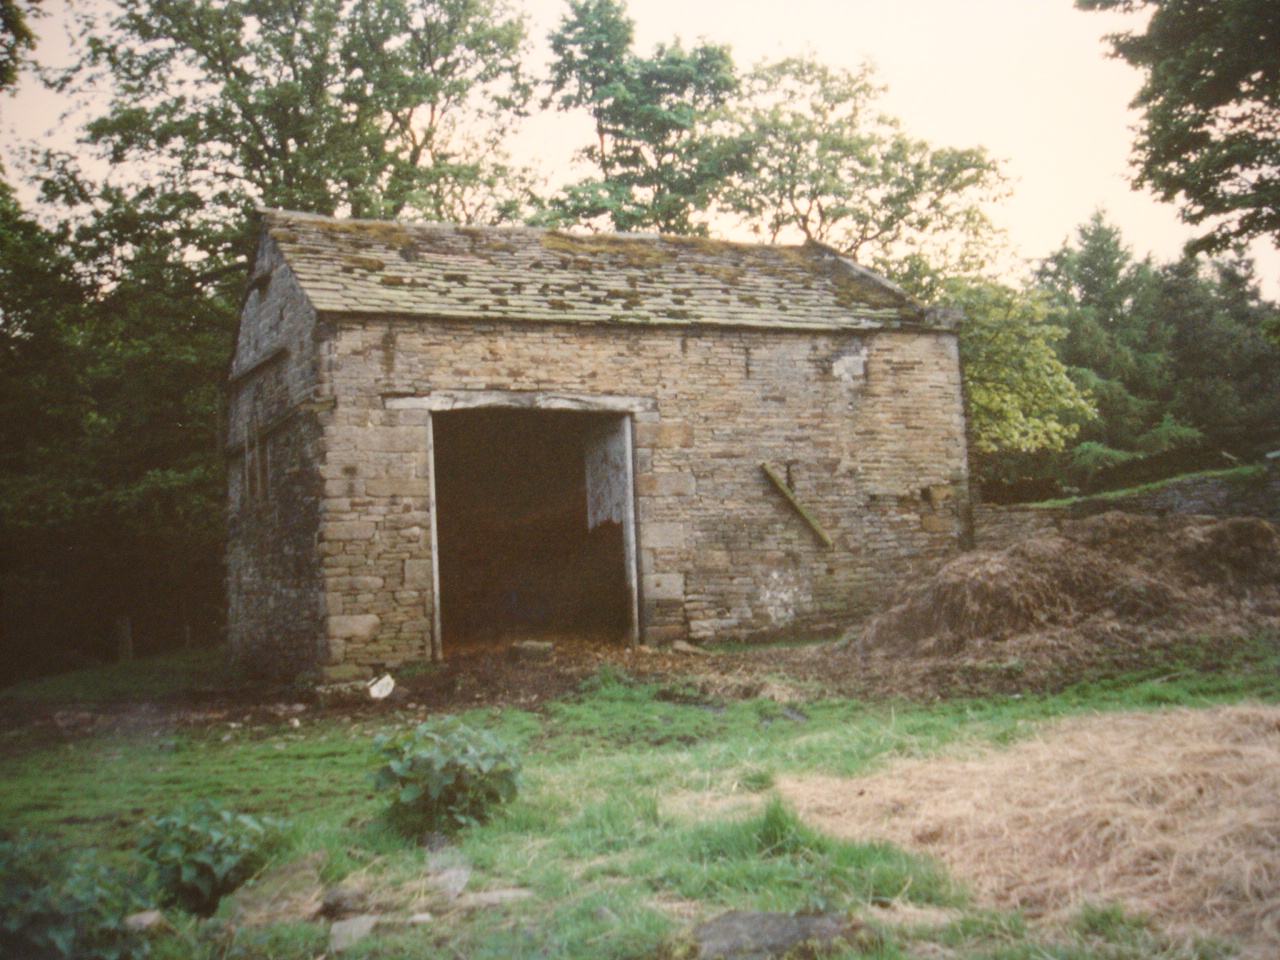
(441, 437)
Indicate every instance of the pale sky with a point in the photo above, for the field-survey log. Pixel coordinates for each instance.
(1027, 79)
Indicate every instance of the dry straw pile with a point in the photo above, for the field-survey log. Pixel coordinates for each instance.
(1174, 815)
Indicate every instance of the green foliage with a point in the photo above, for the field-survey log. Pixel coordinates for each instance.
(825, 164)
(376, 106)
(445, 775)
(1175, 358)
(1112, 344)
(1020, 397)
(201, 853)
(1210, 133)
(115, 327)
(1090, 457)
(657, 166)
(1168, 435)
(54, 906)
(15, 37)
(112, 350)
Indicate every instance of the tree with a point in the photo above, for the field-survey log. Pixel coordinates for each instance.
(657, 168)
(1020, 397)
(15, 37)
(1176, 357)
(1210, 134)
(825, 165)
(114, 339)
(1225, 371)
(1115, 345)
(364, 107)
(110, 481)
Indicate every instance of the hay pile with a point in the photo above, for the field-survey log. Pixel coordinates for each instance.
(1175, 815)
(1114, 567)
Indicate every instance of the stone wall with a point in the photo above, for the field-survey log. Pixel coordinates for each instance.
(273, 449)
(867, 427)
(1249, 493)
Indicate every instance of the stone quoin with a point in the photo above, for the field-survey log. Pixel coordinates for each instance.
(443, 436)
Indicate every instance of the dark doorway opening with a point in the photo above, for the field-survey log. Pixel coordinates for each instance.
(531, 525)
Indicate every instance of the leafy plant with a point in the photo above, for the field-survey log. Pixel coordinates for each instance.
(55, 907)
(445, 775)
(202, 853)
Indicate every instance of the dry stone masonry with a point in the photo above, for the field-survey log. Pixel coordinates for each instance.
(442, 436)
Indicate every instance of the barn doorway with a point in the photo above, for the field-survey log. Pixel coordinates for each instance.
(534, 525)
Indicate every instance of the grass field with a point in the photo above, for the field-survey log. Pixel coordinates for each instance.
(642, 809)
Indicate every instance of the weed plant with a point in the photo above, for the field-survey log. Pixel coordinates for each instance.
(55, 905)
(445, 775)
(200, 853)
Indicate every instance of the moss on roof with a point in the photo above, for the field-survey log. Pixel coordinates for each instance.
(436, 270)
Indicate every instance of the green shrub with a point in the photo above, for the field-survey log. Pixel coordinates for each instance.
(57, 907)
(201, 853)
(445, 775)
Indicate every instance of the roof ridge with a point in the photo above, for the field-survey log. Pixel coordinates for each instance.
(859, 270)
(518, 272)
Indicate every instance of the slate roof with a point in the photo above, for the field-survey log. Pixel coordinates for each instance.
(379, 268)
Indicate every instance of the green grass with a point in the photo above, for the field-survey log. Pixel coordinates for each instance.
(635, 797)
(142, 679)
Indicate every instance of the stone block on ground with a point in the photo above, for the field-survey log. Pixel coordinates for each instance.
(746, 935)
(291, 892)
(346, 933)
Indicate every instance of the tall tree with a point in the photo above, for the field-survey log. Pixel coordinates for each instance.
(111, 352)
(1020, 397)
(16, 37)
(657, 169)
(825, 164)
(1210, 134)
(1116, 344)
(1225, 371)
(327, 106)
(1176, 357)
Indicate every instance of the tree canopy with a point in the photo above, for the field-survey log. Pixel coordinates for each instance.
(371, 108)
(1210, 133)
(114, 339)
(111, 355)
(1020, 397)
(1175, 357)
(656, 166)
(824, 164)
(16, 37)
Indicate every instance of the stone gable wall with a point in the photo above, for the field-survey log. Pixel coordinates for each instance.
(273, 450)
(868, 427)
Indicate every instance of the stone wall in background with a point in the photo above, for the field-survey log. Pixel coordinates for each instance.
(1253, 492)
